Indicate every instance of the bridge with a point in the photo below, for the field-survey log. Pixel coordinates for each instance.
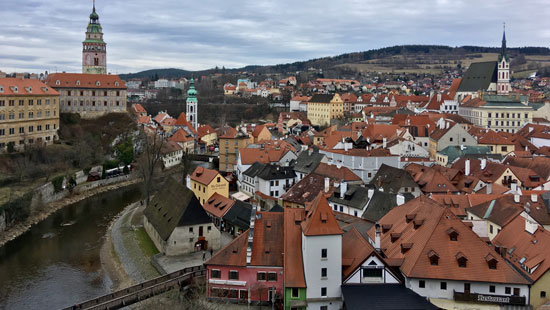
(142, 291)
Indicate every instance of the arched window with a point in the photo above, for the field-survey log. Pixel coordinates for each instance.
(58, 82)
(77, 82)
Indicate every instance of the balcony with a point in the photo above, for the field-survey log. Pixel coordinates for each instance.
(492, 299)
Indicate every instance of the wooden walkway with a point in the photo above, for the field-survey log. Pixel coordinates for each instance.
(142, 291)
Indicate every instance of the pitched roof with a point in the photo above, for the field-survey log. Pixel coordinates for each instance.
(355, 250)
(25, 87)
(319, 98)
(337, 173)
(356, 196)
(391, 179)
(429, 179)
(539, 164)
(218, 205)
(257, 130)
(174, 206)
(204, 175)
(268, 244)
(275, 172)
(293, 261)
(479, 76)
(380, 204)
(307, 189)
(233, 254)
(320, 220)
(239, 214)
(81, 80)
(308, 161)
(204, 130)
(525, 250)
(383, 296)
(421, 227)
(181, 136)
(492, 137)
(169, 147)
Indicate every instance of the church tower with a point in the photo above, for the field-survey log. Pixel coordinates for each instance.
(191, 104)
(503, 78)
(94, 49)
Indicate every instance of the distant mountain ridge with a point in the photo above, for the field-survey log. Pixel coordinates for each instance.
(348, 58)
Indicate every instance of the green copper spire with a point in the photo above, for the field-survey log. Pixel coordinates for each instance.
(191, 93)
(94, 17)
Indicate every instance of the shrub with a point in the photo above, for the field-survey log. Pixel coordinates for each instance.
(58, 183)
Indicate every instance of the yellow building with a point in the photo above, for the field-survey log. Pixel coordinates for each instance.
(29, 113)
(231, 141)
(207, 134)
(321, 109)
(205, 182)
(496, 143)
(498, 112)
(261, 133)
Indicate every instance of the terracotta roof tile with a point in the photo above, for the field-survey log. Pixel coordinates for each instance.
(25, 87)
(293, 262)
(320, 220)
(218, 205)
(70, 80)
(204, 175)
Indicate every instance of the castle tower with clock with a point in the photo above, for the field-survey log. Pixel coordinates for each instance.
(94, 49)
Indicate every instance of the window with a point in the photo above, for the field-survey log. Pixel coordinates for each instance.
(261, 276)
(190, 229)
(372, 272)
(323, 272)
(216, 274)
(31, 114)
(421, 284)
(451, 139)
(21, 103)
(466, 287)
(323, 291)
(507, 290)
(492, 289)
(21, 129)
(272, 276)
(219, 179)
(323, 308)
(443, 285)
(12, 131)
(542, 294)
(233, 293)
(233, 275)
(11, 103)
(39, 128)
(2, 103)
(490, 228)
(323, 253)
(295, 293)
(2, 132)
(516, 291)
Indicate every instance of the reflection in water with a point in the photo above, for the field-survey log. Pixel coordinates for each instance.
(56, 263)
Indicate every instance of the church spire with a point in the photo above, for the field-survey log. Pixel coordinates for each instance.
(504, 38)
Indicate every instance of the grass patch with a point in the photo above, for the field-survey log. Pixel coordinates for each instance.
(145, 243)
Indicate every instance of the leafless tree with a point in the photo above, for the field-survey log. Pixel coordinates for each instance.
(150, 145)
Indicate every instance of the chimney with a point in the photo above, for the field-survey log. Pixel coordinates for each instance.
(384, 143)
(462, 147)
(446, 125)
(346, 146)
(516, 198)
(400, 199)
(339, 165)
(527, 207)
(377, 237)
(327, 185)
(514, 187)
(370, 193)
(489, 187)
(534, 197)
(483, 163)
(438, 97)
(343, 188)
(467, 167)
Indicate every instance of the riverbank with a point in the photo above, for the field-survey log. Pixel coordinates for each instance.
(50, 208)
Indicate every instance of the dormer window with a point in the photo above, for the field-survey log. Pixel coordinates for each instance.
(78, 82)
(491, 261)
(116, 84)
(453, 234)
(1, 89)
(418, 223)
(386, 228)
(395, 236)
(461, 259)
(434, 258)
(15, 89)
(405, 247)
(58, 82)
(97, 83)
(324, 217)
(410, 217)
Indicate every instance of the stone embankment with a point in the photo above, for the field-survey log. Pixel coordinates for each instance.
(81, 192)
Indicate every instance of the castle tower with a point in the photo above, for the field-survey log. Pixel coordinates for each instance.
(191, 104)
(94, 49)
(503, 78)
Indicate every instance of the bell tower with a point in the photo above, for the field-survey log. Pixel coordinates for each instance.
(191, 104)
(503, 78)
(94, 49)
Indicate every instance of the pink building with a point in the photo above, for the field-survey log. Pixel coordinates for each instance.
(250, 268)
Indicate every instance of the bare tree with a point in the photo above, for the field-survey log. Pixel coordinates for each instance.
(150, 145)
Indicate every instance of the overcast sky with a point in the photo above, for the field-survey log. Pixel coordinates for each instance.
(39, 35)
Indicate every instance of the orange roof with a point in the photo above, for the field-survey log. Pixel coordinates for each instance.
(305, 191)
(355, 250)
(377, 132)
(204, 130)
(181, 136)
(268, 244)
(320, 220)
(293, 262)
(25, 87)
(491, 137)
(454, 86)
(228, 133)
(332, 171)
(530, 250)
(422, 227)
(144, 119)
(138, 108)
(218, 205)
(233, 254)
(182, 121)
(257, 130)
(204, 175)
(80, 80)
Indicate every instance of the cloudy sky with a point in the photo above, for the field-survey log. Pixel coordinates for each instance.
(39, 35)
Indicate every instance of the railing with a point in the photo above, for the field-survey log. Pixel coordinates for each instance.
(487, 298)
(142, 291)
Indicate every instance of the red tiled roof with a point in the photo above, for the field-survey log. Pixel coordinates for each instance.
(180, 136)
(204, 130)
(257, 130)
(25, 87)
(320, 220)
(70, 80)
(421, 227)
(203, 175)
(144, 119)
(355, 250)
(305, 191)
(293, 261)
(233, 254)
(218, 205)
(333, 172)
(268, 242)
(139, 108)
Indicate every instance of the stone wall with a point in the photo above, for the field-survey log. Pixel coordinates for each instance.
(2, 221)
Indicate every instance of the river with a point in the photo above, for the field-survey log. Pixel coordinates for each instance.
(56, 263)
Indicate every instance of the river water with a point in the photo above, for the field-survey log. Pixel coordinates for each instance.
(56, 263)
